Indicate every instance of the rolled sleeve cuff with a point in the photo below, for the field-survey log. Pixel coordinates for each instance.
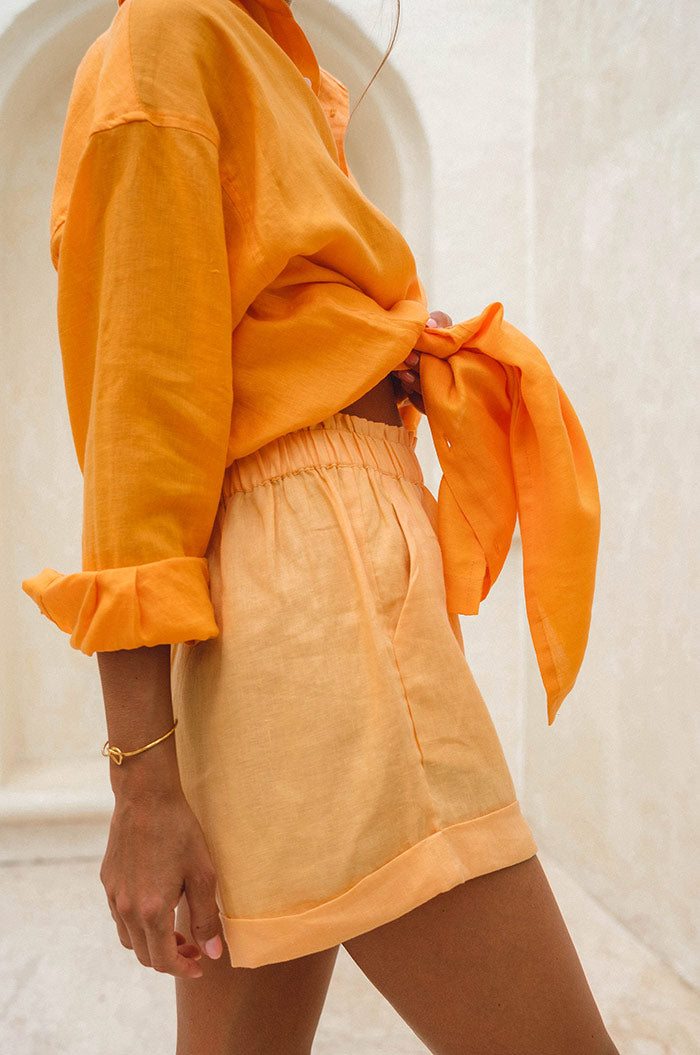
(465, 593)
(165, 602)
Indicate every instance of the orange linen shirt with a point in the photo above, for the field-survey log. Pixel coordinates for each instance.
(222, 280)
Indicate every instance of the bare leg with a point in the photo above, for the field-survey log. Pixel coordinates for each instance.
(252, 1010)
(487, 968)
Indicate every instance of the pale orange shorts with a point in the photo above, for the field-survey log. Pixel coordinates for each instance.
(332, 741)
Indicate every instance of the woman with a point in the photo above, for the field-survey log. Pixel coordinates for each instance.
(262, 578)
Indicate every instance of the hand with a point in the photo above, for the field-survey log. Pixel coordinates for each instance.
(156, 851)
(409, 380)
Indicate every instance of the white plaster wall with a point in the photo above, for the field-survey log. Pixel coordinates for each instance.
(51, 716)
(613, 786)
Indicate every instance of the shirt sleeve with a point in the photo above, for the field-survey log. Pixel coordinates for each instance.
(145, 319)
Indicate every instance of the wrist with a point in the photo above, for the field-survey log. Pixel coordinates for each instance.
(117, 754)
(152, 773)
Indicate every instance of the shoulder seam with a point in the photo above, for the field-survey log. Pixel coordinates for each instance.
(155, 117)
(159, 120)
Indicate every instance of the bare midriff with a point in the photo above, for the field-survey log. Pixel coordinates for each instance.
(379, 404)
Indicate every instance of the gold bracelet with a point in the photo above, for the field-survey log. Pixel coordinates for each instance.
(118, 756)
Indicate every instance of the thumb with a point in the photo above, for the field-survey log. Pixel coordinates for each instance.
(205, 924)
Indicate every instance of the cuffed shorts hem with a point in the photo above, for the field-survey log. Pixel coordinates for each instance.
(438, 863)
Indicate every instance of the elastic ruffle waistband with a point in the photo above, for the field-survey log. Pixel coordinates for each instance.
(342, 440)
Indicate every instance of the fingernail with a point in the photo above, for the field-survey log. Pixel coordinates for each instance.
(412, 358)
(409, 376)
(213, 948)
(432, 323)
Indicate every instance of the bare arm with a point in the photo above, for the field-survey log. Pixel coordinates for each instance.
(156, 849)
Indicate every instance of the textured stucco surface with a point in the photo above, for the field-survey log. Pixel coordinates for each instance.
(611, 786)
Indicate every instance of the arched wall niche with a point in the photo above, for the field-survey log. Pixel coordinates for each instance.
(53, 792)
(54, 795)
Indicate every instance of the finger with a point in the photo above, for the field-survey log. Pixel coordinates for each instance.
(409, 379)
(205, 923)
(165, 954)
(135, 938)
(412, 360)
(412, 391)
(122, 931)
(190, 952)
(167, 957)
(186, 948)
(441, 318)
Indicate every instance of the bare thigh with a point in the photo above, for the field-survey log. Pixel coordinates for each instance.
(251, 1010)
(488, 966)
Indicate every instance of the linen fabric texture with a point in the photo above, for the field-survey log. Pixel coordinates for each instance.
(331, 739)
(223, 281)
